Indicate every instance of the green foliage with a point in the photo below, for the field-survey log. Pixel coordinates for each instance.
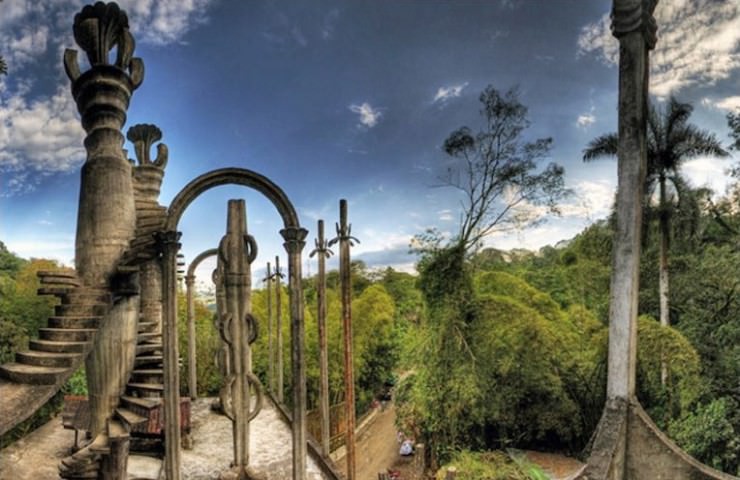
(77, 383)
(490, 465)
(659, 344)
(208, 344)
(22, 311)
(708, 433)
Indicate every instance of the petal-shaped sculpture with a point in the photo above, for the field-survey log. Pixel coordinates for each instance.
(98, 28)
(143, 137)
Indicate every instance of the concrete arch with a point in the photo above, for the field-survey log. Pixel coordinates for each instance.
(294, 237)
(231, 176)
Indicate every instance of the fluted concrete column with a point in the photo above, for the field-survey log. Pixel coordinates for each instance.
(169, 245)
(294, 243)
(323, 252)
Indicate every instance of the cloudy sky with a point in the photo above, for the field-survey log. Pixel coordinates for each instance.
(350, 100)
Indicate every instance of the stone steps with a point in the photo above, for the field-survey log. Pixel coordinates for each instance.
(129, 418)
(151, 375)
(47, 359)
(75, 322)
(33, 374)
(81, 310)
(143, 360)
(149, 337)
(67, 334)
(147, 327)
(59, 347)
(144, 348)
(145, 389)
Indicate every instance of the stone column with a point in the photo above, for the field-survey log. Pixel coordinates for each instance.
(634, 26)
(106, 219)
(270, 349)
(345, 239)
(169, 245)
(192, 373)
(150, 216)
(323, 252)
(280, 380)
(294, 243)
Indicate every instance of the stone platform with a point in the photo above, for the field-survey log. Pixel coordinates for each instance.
(38, 454)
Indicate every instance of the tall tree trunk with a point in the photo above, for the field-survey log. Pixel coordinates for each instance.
(663, 270)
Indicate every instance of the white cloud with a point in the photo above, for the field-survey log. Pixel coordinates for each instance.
(445, 215)
(445, 93)
(585, 120)
(698, 44)
(39, 137)
(729, 103)
(163, 22)
(706, 171)
(369, 116)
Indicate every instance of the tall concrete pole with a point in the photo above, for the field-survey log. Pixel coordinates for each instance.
(323, 252)
(192, 372)
(106, 219)
(237, 250)
(279, 331)
(345, 242)
(635, 28)
(270, 349)
(294, 242)
(169, 245)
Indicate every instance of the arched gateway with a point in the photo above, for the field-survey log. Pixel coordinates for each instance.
(294, 237)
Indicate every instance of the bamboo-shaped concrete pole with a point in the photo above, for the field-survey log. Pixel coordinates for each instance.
(279, 331)
(322, 249)
(345, 239)
(189, 293)
(237, 250)
(294, 243)
(270, 349)
(169, 245)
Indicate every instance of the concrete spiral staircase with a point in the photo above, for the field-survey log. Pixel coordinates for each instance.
(38, 373)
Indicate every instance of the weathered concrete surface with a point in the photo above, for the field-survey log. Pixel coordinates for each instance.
(19, 400)
(269, 450)
(651, 454)
(629, 446)
(38, 454)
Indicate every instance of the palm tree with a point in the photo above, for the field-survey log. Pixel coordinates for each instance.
(671, 140)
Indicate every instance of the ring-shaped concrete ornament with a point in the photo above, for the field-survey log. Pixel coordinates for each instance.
(233, 176)
(226, 396)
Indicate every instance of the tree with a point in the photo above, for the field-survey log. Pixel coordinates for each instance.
(733, 121)
(671, 140)
(496, 170)
(3, 66)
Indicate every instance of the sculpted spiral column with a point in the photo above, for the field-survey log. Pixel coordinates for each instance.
(106, 220)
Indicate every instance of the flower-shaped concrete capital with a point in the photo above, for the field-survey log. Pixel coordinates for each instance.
(143, 137)
(97, 29)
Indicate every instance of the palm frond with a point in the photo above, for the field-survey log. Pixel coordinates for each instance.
(599, 147)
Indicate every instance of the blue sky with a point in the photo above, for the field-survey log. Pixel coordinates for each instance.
(347, 100)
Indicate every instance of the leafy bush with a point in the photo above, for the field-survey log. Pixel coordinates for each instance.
(493, 465)
(707, 434)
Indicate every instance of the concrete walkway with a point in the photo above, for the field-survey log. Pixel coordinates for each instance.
(38, 454)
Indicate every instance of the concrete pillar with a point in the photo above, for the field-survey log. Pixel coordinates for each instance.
(280, 380)
(634, 26)
(345, 241)
(294, 242)
(106, 219)
(169, 245)
(323, 252)
(270, 328)
(192, 371)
